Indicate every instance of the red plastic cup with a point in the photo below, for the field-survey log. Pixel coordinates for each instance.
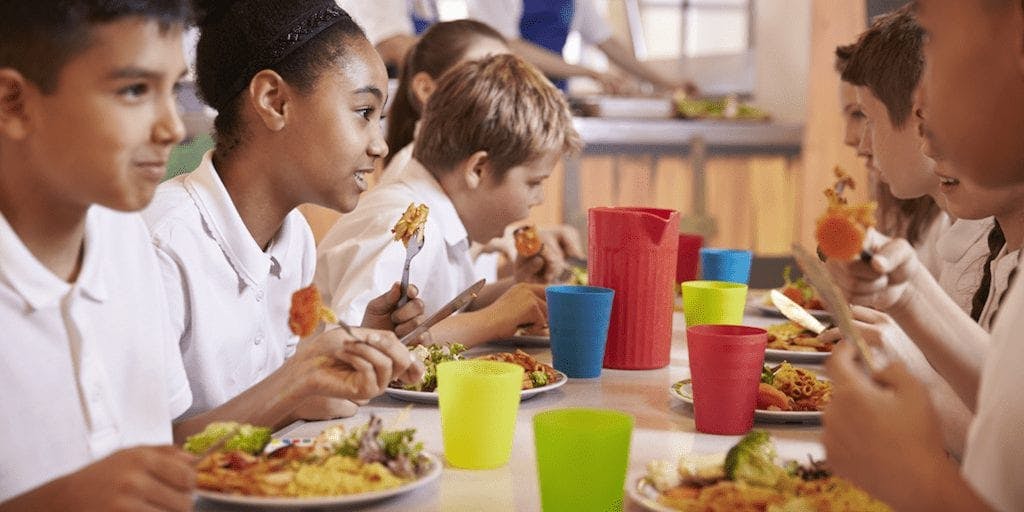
(688, 257)
(725, 368)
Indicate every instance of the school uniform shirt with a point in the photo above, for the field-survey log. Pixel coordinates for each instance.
(86, 368)
(228, 298)
(994, 457)
(927, 247)
(1002, 268)
(963, 249)
(359, 260)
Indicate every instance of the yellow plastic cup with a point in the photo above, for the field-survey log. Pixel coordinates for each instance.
(479, 401)
(713, 302)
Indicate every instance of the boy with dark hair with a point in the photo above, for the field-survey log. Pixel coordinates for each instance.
(972, 106)
(88, 117)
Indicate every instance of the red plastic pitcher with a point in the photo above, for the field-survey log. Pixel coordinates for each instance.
(633, 251)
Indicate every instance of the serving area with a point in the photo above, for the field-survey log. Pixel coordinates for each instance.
(663, 429)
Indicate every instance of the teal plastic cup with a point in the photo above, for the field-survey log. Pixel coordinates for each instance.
(582, 456)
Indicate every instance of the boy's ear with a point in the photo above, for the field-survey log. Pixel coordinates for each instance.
(269, 96)
(423, 86)
(475, 167)
(13, 114)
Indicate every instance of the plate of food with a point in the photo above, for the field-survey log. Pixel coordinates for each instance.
(786, 394)
(747, 478)
(538, 377)
(341, 467)
(791, 342)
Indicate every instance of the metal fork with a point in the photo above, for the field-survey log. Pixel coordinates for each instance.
(348, 329)
(411, 249)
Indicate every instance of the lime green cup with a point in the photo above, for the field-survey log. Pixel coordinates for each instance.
(713, 302)
(478, 401)
(582, 455)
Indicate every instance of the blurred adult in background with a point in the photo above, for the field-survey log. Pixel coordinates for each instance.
(537, 30)
(392, 25)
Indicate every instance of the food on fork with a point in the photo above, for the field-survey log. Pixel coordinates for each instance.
(528, 243)
(411, 224)
(307, 310)
(841, 230)
(750, 479)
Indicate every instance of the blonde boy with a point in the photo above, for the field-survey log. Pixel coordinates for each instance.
(489, 137)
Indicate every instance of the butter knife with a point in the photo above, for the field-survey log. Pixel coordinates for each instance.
(460, 301)
(795, 313)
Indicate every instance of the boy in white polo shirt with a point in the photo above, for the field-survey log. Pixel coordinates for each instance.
(87, 120)
(490, 135)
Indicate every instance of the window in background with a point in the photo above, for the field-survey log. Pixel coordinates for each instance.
(692, 28)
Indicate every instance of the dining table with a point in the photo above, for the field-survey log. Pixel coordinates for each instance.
(663, 430)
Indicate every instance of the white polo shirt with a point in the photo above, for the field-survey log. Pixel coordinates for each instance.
(85, 368)
(358, 260)
(963, 249)
(504, 16)
(994, 458)
(228, 299)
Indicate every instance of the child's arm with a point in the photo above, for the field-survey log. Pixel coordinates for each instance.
(896, 282)
(143, 478)
(330, 364)
(522, 305)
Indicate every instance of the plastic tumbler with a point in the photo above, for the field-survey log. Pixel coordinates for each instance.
(582, 455)
(725, 367)
(713, 302)
(578, 318)
(731, 265)
(688, 257)
(478, 402)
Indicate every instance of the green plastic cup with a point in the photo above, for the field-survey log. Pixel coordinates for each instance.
(478, 401)
(582, 456)
(713, 302)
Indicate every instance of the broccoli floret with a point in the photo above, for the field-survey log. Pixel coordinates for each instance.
(249, 439)
(539, 378)
(767, 376)
(752, 460)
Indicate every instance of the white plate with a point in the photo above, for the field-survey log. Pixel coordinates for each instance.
(644, 493)
(525, 341)
(326, 501)
(430, 397)
(795, 356)
(685, 394)
(770, 310)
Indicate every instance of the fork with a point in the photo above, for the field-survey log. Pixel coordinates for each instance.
(411, 249)
(348, 329)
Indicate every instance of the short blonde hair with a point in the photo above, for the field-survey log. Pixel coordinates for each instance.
(502, 105)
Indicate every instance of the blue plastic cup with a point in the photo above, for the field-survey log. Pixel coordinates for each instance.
(578, 318)
(730, 265)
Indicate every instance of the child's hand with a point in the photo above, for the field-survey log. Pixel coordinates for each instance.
(884, 282)
(383, 312)
(143, 478)
(522, 305)
(333, 364)
(868, 416)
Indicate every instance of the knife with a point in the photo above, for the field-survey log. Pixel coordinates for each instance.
(795, 313)
(816, 273)
(460, 301)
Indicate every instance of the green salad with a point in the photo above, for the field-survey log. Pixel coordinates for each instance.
(431, 356)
